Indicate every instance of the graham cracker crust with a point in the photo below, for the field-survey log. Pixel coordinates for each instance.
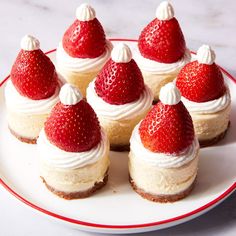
(161, 198)
(77, 195)
(210, 142)
(23, 139)
(120, 148)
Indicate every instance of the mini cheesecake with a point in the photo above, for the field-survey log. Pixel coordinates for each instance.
(161, 51)
(119, 97)
(31, 91)
(73, 149)
(206, 96)
(163, 158)
(83, 50)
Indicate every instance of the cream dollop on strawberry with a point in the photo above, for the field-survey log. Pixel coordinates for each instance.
(70, 95)
(169, 94)
(162, 39)
(73, 125)
(85, 12)
(205, 55)
(29, 43)
(165, 11)
(33, 74)
(121, 53)
(201, 80)
(168, 126)
(120, 81)
(85, 38)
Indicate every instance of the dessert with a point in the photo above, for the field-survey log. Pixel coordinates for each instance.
(161, 51)
(163, 158)
(31, 91)
(119, 97)
(206, 96)
(73, 149)
(84, 49)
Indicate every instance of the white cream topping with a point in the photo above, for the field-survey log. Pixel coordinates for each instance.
(161, 159)
(85, 12)
(205, 55)
(119, 112)
(158, 68)
(20, 104)
(212, 106)
(29, 43)
(165, 11)
(121, 53)
(66, 62)
(170, 94)
(59, 158)
(70, 95)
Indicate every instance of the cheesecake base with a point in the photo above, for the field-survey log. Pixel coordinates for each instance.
(161, 198)
(23, 139)
(77, 195)
(210, 142)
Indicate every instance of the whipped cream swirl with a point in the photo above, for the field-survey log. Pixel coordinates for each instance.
(212, 106)
(59, 158)
(84, 65)
(20, 104)
(158, 68)
(162, 160)
(119, 112)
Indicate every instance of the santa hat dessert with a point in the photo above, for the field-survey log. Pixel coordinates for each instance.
(31, 91)
(73, 149)
(206, 96)
(83, 50)
(161, 51)
(119, 96)
(163, 158)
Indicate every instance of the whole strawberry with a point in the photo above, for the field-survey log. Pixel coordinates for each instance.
(201, 80)
(168, 127)
(162, 39)
(85, 38)
(120, 80)
(33, 74)
(73, 125)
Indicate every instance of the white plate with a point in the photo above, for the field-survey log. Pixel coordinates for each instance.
(117, 208)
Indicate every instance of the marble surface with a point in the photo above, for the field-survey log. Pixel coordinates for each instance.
(203, 21)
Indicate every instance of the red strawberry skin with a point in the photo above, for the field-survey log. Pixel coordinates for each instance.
(73, 128)
(85, 39)
(200, 82)
(167, 129)
(162, 41)
(119, 83)
(33, 75)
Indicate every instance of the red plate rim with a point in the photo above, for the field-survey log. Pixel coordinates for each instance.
(152, 224)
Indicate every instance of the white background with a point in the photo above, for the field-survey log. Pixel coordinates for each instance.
(205, 21)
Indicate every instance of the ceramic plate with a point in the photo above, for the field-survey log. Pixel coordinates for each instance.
(117, 208)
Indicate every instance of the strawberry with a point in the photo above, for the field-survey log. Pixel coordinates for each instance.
(162, 41)
(119, 83)
(167, 128)
(201, 82)
(85, 39)
(73, 128)
(33, 75)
